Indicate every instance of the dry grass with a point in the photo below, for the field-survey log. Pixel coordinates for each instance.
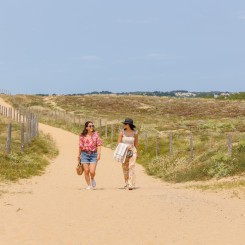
(143, 107)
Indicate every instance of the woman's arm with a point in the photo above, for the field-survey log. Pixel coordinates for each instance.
(119, 139)
(79, 153)
(98, 152)
(98, 146)
(79, 149)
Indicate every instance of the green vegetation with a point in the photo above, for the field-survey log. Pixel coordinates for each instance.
(32, 161)
(175, 93)
(209, 121)
(235, 96)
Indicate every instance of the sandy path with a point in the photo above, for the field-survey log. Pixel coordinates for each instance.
(56, 209)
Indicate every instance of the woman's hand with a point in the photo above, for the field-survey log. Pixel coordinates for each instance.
(98, 157)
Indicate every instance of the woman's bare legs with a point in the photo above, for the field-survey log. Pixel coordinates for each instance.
(128, 172)
(92, 168)
(89, 173)
(125, 167)
(86, 173)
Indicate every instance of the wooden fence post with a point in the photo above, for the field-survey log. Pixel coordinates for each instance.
(19, 115)
(14, 114)
(112, 132)
(157, 144)
(22, 135)
(27, 132)
(9, 138)
(191, 147)
(24, 116)
(37, 125)
(32, 126)
(171, 144)
(146, 141)
(10, 113)
(229, 144)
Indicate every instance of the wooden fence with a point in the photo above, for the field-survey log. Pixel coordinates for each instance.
(5, 91)
(190, 147)
(28, 125)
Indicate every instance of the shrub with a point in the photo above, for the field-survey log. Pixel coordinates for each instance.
(165, 165)
(221, 165)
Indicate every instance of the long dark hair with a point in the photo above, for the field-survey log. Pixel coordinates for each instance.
(132, 127)
(85, 131)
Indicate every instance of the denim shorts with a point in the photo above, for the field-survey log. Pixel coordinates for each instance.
(88, 157)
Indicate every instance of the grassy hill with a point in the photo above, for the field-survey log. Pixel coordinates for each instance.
(209, 121)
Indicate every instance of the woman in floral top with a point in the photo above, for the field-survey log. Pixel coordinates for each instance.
(89, 152)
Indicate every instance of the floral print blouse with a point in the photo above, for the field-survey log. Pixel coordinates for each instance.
(90, 144)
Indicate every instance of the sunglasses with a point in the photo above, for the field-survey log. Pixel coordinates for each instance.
(91, 126)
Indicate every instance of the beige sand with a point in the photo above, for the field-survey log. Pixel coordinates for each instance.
(56, 209)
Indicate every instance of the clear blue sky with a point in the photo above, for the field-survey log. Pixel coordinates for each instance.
(76, 46)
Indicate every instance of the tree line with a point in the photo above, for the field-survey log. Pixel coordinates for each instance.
(174, 93)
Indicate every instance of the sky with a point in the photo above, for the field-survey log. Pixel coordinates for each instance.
(78, 46)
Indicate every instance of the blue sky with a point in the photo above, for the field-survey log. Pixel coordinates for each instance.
(76, 46)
